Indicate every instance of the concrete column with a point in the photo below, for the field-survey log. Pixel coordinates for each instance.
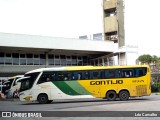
(107, 61)
(102, 61)
(46, 58)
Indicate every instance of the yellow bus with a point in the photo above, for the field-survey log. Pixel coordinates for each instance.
(47, 84)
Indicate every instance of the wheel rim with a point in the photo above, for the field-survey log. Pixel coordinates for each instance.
(111, 95)
(43, 99)
(124, 95)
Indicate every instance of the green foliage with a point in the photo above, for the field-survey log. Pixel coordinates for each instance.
(154, 88)
(145, 59)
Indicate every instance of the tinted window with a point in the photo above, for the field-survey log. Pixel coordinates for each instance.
(46, 77)
(27, 83)
(138, 72)
(110, 73)
(127, 73)
(97, 74)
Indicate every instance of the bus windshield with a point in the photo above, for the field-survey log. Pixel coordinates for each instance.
(28, 81)
(14, 83)
(8, 83)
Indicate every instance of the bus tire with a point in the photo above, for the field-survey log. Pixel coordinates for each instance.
(49, 101)
(124, 95)
(111, 95)
(42, 98)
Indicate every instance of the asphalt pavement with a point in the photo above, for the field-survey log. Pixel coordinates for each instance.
(90, 108)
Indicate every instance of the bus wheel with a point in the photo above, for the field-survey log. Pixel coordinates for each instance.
(124, 95)
(111, 95)
(42, 98)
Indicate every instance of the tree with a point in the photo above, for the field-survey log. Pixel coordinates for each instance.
(154, 59)
(158, 64)
(145, 59)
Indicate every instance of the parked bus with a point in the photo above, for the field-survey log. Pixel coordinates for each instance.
(12, 86)
(110, 82)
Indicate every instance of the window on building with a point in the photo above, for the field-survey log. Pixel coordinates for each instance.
(8, 59)
(79, 61)
(74, 60)
(63, 60)
(42, 59)
(57, 60)
(51, 59)
(36, 59)
(29, 59)
(85, 60)
(15, 57)
(23, 60)
(69, 63)
(1, 58)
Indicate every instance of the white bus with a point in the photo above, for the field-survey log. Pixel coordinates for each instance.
(12, 86)
(111, 82)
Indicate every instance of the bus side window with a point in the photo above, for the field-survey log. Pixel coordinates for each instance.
(45, 77)
(135, 72)
(112, 74)
(102, 74)
(79, 75)
(60, 76)
(118, 73)
(85, 75)
(66, 76)
(139, 72)
(74, 75)
(98, 74)
(142, 72)
(106, 73)
(145, 71)
(53, 77)
(91, 74)
(95, 74)
(127, 73)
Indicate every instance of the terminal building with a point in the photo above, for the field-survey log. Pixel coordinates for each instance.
(20, 53)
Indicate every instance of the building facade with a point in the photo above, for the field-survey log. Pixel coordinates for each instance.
(22, 53)
(113, 17)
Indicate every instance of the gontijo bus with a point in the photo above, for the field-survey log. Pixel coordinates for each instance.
(48, 84)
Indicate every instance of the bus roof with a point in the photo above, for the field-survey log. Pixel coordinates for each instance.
(83, 68)
(13, 77)
(16, 76)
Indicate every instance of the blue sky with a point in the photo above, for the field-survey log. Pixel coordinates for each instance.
(71, 18)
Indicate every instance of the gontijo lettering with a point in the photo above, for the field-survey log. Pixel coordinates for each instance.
(107, 82)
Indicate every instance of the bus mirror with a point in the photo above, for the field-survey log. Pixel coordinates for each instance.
(16, 82)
